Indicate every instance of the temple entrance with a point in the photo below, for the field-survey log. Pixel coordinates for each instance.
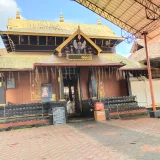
(71, 94)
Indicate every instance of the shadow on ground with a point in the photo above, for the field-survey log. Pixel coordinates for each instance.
(137, 145)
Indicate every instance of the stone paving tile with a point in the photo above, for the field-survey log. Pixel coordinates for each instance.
(111, 140)
(149, 126)
(124, 137)
(53, 143)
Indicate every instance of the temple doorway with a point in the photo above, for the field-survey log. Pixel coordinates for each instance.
(71, 90)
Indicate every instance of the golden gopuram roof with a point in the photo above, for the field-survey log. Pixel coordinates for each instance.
(34, 27)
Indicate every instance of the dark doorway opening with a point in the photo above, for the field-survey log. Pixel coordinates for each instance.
(72, 94)
(71, 90)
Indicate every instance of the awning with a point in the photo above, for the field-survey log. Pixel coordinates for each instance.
(134, 16)
(54, 60)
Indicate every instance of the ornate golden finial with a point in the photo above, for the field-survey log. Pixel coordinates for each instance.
(18, 16)
(61, 17)
(99, 21)
(78, 28)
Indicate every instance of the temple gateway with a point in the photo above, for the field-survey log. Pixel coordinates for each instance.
(61, 61)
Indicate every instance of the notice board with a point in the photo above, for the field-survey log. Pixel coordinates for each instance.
(59, 115)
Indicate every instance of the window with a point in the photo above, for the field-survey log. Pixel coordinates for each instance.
(42, 40)
(15, 39)
(59, 40)
(51, 40)
(33, 40)
(24, 39)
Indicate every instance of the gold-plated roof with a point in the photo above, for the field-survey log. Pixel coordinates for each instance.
(134, 16)
(58, 28)
(26, 60)
(129, 64)
(22, 60)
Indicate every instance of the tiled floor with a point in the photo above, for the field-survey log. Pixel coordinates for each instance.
(113, 140)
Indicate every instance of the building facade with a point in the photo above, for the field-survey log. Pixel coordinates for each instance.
(57, 61)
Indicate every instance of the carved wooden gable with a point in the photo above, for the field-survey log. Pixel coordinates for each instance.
(78, 43)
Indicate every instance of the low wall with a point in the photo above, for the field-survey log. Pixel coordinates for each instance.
(27, 114)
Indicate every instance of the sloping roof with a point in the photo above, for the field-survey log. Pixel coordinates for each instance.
(129, 64)
(3, 51)
(21, 60)
(78, 32)
(26, 61)
(138, 42)
(57, 28)
(153, 51)
(54, 60)
(134, 16)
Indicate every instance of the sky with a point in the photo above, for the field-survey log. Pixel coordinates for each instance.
(50, 10)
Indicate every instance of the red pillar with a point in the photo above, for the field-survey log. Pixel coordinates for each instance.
(149, 72)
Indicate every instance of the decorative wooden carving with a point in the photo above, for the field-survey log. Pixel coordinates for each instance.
(79, 45)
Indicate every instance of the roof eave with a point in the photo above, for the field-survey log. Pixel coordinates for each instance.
(76, 64)
(58, 35)
(143, 68)
(15, 69)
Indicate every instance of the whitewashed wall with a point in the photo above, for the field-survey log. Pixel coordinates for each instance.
(141, 89)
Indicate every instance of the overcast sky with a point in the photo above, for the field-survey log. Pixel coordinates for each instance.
(50, 10)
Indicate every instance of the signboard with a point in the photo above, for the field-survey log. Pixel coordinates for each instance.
(2, 95)
(46, 92)
(59, 115)
(10, 83)
(82, 57)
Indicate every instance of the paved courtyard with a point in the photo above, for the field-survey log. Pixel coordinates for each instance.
(110, 140)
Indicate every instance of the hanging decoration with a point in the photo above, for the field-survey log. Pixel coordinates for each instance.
(18, 77)
(105, 73)
(52, 73)
(35, 87)
(47, 74)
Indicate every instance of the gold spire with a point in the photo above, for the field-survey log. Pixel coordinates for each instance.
(99, 21)
(18, 16)
(61, 17)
